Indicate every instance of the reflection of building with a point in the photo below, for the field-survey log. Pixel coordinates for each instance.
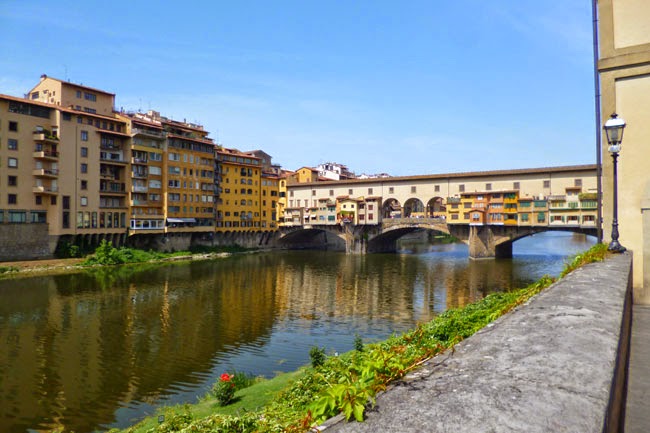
(624, 66)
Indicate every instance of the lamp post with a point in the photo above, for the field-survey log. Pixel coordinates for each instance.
(614, 129)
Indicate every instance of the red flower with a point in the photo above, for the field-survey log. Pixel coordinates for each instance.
(225, 377)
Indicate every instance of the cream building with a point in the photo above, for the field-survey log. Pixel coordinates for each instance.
(624, 70)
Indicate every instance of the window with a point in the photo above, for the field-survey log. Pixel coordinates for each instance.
(84, 151)
(461, 188)
(547, 184)
(577, 182)
(436, 188)
(84, 135)
(515, 185)
(12, 199)
(156, 171)
(13, 126)
(350, 191)
(488, 187)
(79, 94)
(12, 144)
(66, 202)
(83, 201)
(413, 189)
(331, 192)
(66, 116)
(313, 192)
(369, 191)
(12, 162)
(12, 181)
(39, 200)
(84, 168)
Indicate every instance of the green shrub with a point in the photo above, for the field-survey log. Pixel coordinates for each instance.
(317, 355)
(224, 390)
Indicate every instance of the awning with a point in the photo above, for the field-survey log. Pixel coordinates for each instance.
(181, 220)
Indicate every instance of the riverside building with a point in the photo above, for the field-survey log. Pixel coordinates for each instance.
(624, 72)
(75, 171)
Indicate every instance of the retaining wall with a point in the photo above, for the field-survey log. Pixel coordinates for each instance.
(24, 242)
(558, 363)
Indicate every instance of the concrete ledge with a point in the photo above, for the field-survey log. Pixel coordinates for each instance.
(556, 364)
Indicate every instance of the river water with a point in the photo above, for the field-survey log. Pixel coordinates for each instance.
(94, 350)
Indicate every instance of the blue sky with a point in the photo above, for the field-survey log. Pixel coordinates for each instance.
(410, 87)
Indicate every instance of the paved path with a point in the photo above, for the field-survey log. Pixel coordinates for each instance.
(637, 416)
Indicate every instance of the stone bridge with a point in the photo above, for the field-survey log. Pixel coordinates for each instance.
(484, 241)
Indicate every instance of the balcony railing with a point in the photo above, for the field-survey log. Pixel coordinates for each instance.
(46, 172)
(43, 136)
(42, 189)
(46, 154)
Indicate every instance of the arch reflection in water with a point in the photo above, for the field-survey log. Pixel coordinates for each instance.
(91, 350)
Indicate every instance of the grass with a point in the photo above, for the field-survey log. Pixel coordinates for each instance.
(249, 399)
(297, 401)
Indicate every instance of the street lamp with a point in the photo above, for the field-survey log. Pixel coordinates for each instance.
(614, 129)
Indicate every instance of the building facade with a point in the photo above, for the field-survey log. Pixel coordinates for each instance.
(624, 72)
(69, 161)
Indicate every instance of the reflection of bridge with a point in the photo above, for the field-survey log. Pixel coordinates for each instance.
(484, 241)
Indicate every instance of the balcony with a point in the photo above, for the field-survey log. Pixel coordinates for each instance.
(45, 137)
(139, 202)
(112, 188)
(46, 189)
(48, 155)
(138, 188)
(148, 132)
(51, 173)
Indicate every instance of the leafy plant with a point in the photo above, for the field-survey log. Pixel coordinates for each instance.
(358, 343)
(224, 390)
(317, 356)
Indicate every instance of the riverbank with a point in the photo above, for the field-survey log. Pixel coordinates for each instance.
(28, 268)
(346, 383)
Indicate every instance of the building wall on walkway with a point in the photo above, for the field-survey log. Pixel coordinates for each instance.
(624, 69)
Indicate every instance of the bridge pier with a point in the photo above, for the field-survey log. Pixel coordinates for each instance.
(484, 244)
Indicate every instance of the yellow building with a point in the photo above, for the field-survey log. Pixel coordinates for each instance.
(304, 175)
(238, 205)
(624, 70)
(189, 198)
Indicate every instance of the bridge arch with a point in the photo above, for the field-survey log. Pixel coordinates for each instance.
(391, 208)
(413, 208)
(436, 207)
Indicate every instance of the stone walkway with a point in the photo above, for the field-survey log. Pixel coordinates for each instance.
(544, 367)
(637, 412)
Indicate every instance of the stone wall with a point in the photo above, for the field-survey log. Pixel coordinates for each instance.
(24, 242)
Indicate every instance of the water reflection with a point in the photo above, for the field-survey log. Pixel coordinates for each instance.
(91, 350)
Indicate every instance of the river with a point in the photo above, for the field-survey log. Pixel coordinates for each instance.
(94, 350)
